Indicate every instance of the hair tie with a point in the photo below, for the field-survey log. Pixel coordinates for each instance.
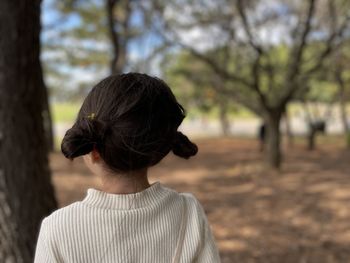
(91, 116)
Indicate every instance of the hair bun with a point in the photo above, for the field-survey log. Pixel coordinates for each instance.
(75, 143)
(183, 147)
(82, 137)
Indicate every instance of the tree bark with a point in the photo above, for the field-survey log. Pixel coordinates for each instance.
(314, 129)
(47, 119)
(343, 112)
(344, 118)
(312, 138)
(274, 153)
(289, 131)
(119, 38)
(26, 192)
(225, 122)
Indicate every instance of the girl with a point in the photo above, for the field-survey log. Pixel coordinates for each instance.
(127, 124)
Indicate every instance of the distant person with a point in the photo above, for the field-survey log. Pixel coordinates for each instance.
(127, 124)
(262, 136)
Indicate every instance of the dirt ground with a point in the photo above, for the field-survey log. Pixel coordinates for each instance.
(300, 215)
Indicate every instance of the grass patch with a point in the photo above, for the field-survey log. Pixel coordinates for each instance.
(64, 112)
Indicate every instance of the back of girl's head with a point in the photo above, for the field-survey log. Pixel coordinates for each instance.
(131, 120)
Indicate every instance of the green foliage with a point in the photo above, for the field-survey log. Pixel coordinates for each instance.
(194, 83)
(322, 91)
(324, 85)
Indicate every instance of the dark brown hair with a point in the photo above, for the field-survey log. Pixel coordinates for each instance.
(131, 120)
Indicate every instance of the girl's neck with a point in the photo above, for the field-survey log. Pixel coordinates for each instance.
(134, 182)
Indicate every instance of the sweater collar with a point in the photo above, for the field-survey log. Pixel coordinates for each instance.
(144, 198)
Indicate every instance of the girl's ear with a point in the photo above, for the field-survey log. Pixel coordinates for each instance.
(95, 155)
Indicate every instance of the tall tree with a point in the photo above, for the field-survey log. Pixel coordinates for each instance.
(90, 38)
(119, 15)
(76, 47)
(252, 31)
(26, 193)
(341, 76)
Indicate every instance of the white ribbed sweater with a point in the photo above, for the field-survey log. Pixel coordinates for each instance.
(132, 228)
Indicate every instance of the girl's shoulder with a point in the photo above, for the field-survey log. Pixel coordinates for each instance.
(65, 209)
(63, 217)
(195, 209)
(191, 200)
(59, 214)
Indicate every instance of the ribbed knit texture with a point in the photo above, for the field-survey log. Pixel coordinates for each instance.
(141, 227)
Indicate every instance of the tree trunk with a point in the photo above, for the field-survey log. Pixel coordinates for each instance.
(315, 128)
(26, 192)
(119, 32)
(225, 122)
(344, 118)
(343, 112)
(289, 131)
(311, 132)
(274, 154)
(311, 138)
(47, 119)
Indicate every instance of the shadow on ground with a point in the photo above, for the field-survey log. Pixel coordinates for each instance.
(298, 215)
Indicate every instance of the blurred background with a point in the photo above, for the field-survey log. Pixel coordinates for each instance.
(266, 86)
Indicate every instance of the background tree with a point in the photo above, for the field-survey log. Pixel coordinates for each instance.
(196, 86)
(26, 193)
(318, 98)
(90, 38)
(243, 27)
(119, 18)
(76, 47)
(341, 77)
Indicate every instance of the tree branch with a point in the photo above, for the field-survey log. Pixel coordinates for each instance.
(330, 46)
(246, 27)
(110, 4)
(237, 96)
(297, 53)
(296, 58)
(256, 67)
(214, 65)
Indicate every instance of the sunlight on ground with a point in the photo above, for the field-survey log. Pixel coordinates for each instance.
(300, 215)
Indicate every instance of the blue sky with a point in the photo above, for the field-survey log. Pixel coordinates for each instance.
(53, 23)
